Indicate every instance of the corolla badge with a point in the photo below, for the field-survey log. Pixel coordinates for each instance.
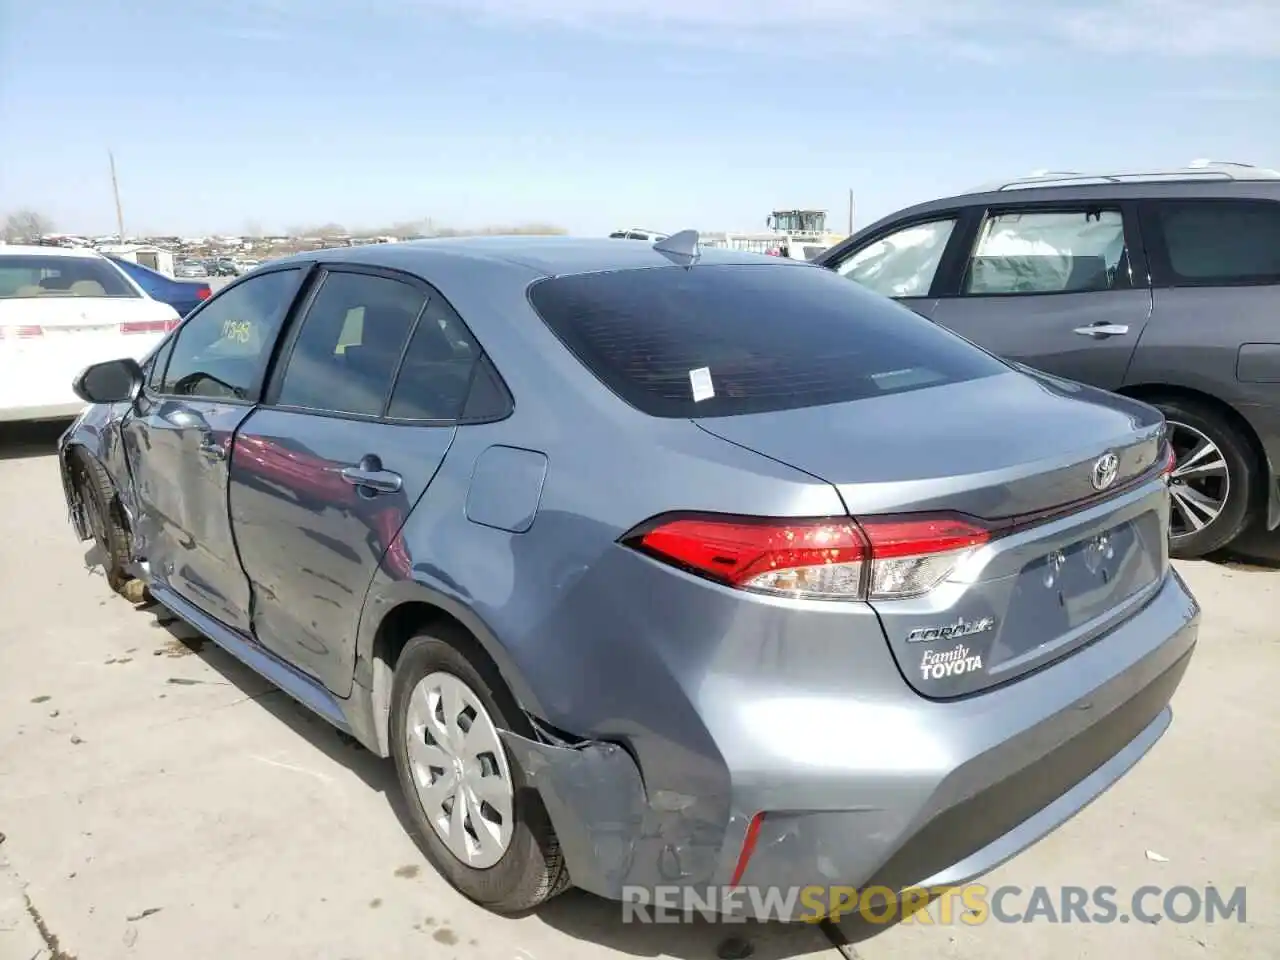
(1105, 470)
(961, 628)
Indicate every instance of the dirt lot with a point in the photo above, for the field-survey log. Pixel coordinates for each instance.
(158, 801)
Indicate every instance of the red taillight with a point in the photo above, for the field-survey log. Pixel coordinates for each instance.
(24, 332)
(749, 553)
(748, 848)
(828, 558)
(912, 555)
(204, 293)
(148, 326)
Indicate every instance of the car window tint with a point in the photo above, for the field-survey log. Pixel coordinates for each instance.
(902, 264)
(346, 353)
(32, 276)
(221, 350)
(1222, 241)
(1048, 252)
(723, 340)
(436, 373)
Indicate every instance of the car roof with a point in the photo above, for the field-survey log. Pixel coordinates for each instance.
(35, 250)
(1208, 181)
(549, 256)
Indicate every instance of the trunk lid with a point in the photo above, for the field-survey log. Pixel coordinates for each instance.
(1066, 562)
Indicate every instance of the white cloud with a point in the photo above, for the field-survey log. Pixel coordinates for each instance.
(1248, 28)
(1161, 27)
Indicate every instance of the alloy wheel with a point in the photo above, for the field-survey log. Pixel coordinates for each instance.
(460, 770)
(1200, 483)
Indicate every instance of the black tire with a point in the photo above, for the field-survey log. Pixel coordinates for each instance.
(532, 870)
(1242, 476)
(98, 496)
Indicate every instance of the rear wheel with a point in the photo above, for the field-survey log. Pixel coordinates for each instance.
(97, 494)
(1212, 482)
(482, 826)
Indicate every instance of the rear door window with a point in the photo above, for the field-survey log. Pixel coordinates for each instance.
(1036, 252)
(350, 343)
(1217, 242)
(720, 340)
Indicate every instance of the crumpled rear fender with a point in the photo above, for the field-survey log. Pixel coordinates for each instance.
(595, 798)
(615, 832)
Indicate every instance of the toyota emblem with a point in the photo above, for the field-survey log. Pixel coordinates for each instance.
(1105, 470)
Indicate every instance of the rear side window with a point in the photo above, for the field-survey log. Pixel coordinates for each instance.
(713, 341)
(1220, 242)
(43, 277)
(437, 370)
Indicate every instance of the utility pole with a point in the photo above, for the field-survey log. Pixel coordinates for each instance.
(851, 211)
(115, 189)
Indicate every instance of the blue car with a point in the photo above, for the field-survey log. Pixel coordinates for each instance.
(183, 295)
(652, 566)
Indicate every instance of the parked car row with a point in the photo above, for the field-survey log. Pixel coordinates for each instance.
(618, 550)
(190, 269)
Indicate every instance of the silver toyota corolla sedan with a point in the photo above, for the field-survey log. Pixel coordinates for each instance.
(650, 564)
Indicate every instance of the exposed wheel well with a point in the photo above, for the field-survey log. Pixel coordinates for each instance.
(1155, 392)
(79, 465)
(396, 629)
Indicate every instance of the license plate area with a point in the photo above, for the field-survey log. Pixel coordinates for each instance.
(1071, 586)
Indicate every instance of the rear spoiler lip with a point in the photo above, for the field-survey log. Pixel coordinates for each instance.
(1016, 523)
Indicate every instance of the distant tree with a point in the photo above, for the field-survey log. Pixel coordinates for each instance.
(26, 225)
(252, 229)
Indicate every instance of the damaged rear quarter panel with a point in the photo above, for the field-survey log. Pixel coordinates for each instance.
(595, 798)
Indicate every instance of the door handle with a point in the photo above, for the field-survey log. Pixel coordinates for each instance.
(1101, 331)
(210, 449)
(368, 473)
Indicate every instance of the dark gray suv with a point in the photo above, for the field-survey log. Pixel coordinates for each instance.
(1163, 286)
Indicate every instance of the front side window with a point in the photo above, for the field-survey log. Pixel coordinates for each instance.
(221, 351)
(1048, 252)
(1221, 241)
(724, 340)
(902, 264)
(350, 344)
(42, 277)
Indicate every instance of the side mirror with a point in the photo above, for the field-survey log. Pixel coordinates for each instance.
(113, 381)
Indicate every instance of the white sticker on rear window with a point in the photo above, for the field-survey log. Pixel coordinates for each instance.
(700, 380)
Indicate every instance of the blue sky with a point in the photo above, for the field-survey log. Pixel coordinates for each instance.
(594, 114)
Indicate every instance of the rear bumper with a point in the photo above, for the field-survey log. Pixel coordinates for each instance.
(893, 792)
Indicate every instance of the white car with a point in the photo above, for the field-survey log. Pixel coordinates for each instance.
(62, 309)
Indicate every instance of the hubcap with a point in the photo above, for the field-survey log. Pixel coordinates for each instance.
(1199, 484)
(460, 770)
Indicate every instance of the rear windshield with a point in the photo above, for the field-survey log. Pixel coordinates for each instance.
(53, 276)
(714, 341)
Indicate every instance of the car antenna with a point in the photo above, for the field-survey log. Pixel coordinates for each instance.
(682, 244)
